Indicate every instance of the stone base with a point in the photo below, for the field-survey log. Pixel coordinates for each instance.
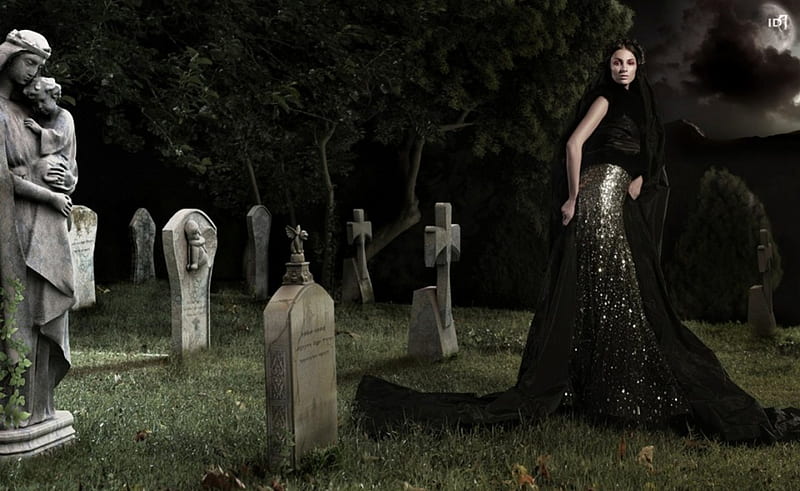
(355, 290)
(38, 438)
(428, 338)
(759, 313)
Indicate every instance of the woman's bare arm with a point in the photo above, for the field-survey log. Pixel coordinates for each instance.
(583, 131)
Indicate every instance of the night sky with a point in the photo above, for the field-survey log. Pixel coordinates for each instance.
(719, 64)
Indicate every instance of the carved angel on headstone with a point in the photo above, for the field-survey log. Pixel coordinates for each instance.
(197, 255)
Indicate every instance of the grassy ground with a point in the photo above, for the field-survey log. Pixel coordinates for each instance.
(145, 422)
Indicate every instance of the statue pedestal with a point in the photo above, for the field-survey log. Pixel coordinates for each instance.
(38, 438)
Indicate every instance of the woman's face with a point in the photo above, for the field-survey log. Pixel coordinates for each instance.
(23, 68)
(623, 66)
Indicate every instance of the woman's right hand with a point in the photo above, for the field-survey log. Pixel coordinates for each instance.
(62, 203)
(567, 211)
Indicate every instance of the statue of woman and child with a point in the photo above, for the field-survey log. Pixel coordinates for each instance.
(38, 172)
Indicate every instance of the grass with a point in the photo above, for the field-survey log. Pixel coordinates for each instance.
(147, 422)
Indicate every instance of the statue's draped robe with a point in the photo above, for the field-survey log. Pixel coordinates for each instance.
(36, 251)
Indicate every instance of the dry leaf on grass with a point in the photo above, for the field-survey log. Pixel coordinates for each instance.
(522, 478)
(542, 462)
(218, 479)
(622, 448)
(645, 456)
(365, 457)
(141, 435)
(409, 487)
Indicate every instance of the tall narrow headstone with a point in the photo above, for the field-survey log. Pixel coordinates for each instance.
(432, 334)
(356, 284)
(82, 235)
(259, 223)
(300, 364)
(760, 314)
(190, 243)
(142, 230)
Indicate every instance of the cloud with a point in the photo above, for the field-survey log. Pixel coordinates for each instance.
(731, 66)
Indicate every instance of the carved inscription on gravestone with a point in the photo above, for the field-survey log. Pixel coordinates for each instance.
(190, 243)
(142, 230)
(82, 237)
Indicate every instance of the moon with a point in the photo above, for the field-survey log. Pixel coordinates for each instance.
(772, 31)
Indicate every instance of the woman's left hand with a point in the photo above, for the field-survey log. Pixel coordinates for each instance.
(635, 187)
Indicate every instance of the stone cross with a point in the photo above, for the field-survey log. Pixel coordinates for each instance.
(431, 334)
(356, 283)
(760, 314)
(300, 364)
(443, 247)
(142, 230)
(82, 235)
(259, 223)
(190, 244)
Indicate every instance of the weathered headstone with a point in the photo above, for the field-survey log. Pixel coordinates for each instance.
(432, 333)
(190, 243)
(356, 284)
(300, 364)
(759, 307)
(259, 223)
(142, 231)
(82, 235)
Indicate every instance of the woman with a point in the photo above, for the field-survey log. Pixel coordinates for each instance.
(605, 340)
(35, 248)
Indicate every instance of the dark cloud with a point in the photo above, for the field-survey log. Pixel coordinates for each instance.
(731, 65)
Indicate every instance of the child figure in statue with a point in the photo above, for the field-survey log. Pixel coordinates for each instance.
(197, 255)
(55, 128)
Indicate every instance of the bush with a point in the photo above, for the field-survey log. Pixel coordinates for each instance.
(715, 258)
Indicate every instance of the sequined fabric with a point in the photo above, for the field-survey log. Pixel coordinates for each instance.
(617, 370)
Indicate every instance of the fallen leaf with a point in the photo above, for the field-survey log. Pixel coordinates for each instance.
(522, 478)
(276, 486)
(645, 456)
(542, 462)
(409, 487)
(348, 333)
(369, 458)
(218, 479)
(622, 448)
(141, 435)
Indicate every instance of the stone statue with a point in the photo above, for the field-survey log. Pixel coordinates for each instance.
(38, 172)
(196, 255)
(297, 272)
(298, 235)
(55, 129)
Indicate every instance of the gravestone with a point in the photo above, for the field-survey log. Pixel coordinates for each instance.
(432, 333)
(259, 223)
(300, 363)
(82, 235)
(142, 230)
(356, 284)
(760, 314)
(190, 243)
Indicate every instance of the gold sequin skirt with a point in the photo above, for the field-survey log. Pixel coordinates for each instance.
(617, 370)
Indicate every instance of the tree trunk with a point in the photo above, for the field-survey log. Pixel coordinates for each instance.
(411, 159)
(287, 195)
(253, 183)
(329, 244)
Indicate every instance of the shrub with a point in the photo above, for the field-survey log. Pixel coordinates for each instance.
(715, 258)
